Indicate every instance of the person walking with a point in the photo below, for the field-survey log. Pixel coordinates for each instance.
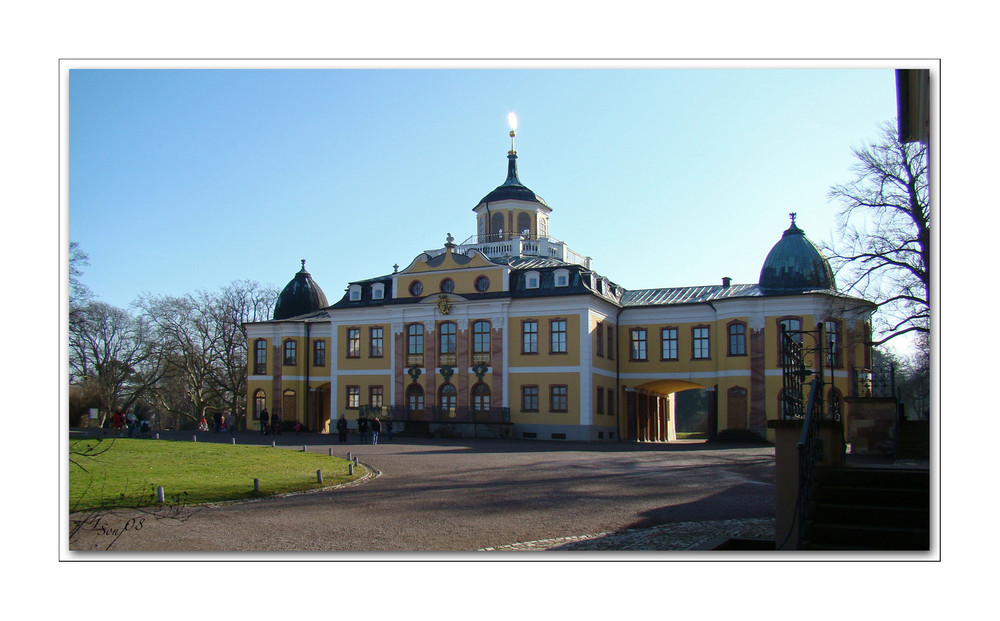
(342, 428)
(375, 426)
(265, 421)
(117, 420)
(362, 429)
(130, 421)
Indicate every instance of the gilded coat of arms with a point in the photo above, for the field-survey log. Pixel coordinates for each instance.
(444, 305)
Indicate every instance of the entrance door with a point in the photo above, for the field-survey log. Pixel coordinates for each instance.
(736, 408)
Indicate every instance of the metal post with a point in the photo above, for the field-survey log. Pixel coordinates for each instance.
(319, 476)
(256, 485)
(159, 494)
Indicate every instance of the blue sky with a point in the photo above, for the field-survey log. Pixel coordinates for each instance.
(185, 180)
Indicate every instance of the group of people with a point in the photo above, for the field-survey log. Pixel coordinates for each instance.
(269, 424)
(368, 429)
(129, 422)
(220, 423)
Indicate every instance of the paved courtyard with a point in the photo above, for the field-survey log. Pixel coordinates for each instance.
(469, 495)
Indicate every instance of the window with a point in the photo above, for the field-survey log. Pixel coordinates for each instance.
(832, 344)
(531, 280)
(319, 353)
(416, 288)
(353, 343)
(375, 342)
(599, 336)
(529, 398)
(353, 397)
(482, 284)
(355, 293)
(611, 342)
(562, 278)
(558, 398)
(446, 343)
(737, 339)
(415, 398)
(557, 329)
(378, 291)
(448, 397)
(415, 344)
(700, 349)
(600, 400)
(793, 326)
(260, 357)
(289, 353)
(529, 337)
(258, 403)
(637, 344)
(481, 342)
(375, 395)
(523, 224)
(668, 343)
(447, 285)
(480, 397)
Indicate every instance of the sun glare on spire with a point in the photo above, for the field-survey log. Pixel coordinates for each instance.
(512, 121)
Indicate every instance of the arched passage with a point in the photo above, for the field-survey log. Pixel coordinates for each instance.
(649, 410)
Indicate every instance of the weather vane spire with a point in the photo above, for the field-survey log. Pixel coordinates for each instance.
(512, 121)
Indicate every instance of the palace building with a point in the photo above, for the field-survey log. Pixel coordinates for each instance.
(511, 333)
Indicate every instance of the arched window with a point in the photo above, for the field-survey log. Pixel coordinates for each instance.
(415, 398)
(448, 398)
(258, 403)
(480, 397)
(496, 230)
(523, 224)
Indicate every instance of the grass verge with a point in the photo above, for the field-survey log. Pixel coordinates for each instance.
(126, 472)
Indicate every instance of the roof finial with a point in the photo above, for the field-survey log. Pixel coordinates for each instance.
(792, 216)
(512, 121)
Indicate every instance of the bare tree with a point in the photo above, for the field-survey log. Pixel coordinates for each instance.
(184, 338)
(237, 304)
(107, 346)
(885, 226)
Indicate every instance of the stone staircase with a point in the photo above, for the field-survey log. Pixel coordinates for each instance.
(869, 508)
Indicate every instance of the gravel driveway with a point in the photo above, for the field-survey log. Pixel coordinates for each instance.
(465, 495)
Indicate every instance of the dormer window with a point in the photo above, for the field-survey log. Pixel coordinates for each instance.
(378, 291)
(531, 280)
(562, 278)
(355, 293)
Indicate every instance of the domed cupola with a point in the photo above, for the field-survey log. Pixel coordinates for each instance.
(511, 188)
(300, 296)
(795, 265)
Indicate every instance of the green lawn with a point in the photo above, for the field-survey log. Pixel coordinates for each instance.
(126, 472)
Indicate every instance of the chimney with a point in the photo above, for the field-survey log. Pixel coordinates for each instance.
(726, 281)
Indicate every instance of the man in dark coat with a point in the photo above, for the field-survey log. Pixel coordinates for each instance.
(362, 429)
(265, 421)
(342, 428)
(375, 426)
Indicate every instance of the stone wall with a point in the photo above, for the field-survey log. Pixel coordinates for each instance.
(870, 425)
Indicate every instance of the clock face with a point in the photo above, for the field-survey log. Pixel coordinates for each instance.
(416, 288)
(482, 283)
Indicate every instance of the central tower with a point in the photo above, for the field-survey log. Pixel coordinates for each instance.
(511, 211)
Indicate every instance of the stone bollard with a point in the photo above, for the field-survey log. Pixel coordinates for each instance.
(350, 469)
(304, 449)
(273, 444)
(156, 436)
(256, 485)
(234, 440)
(330, 453)
(159, 494)
(355, 461)
(194, 438)
(348, 456)
(319, 476)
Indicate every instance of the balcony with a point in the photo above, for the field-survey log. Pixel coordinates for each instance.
(524, 246)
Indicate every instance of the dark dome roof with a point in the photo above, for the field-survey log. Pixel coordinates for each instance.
(795, 264)
(512, 188)
(300, 296)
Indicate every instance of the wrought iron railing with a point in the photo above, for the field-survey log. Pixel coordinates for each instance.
(810, 450)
